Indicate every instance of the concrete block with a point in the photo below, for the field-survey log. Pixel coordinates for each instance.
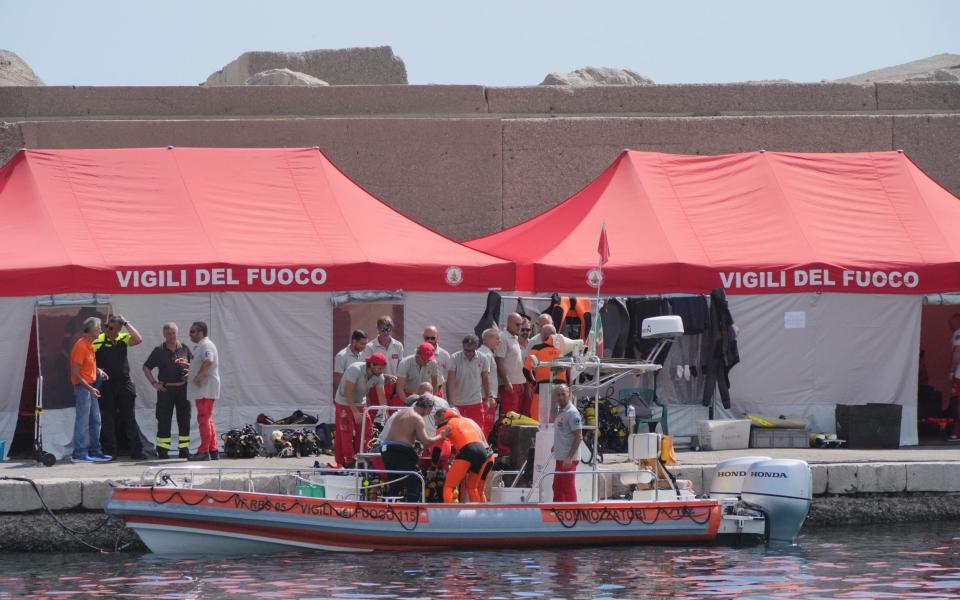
(931, 142)
(698, 99)
(547, 160)
(820, 474)
(927, 477)
(951, 477)
(918, 96)
(443, 173)
(881, 478)
(842, 479)
(94, 493)
(20, 496)
(259, 101)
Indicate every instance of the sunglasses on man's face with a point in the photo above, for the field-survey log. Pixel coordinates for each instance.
(428, 338)
(194, 331)
(385, 329)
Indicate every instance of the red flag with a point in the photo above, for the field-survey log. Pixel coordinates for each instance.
(604, 247)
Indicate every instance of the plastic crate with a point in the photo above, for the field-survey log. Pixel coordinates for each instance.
(730, 434)
(767, 437)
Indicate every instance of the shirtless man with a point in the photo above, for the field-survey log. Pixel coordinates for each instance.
(396, 445)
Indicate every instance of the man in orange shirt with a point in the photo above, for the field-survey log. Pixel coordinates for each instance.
(83, 376)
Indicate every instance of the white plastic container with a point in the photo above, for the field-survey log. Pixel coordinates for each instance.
(508, 495)
(731, 434)
(643, 445)
(340, 487)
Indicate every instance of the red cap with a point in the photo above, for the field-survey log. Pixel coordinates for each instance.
(377, 358)
(426, 351)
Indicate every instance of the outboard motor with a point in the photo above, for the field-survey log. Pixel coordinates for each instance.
(729, 474)
(783, 490)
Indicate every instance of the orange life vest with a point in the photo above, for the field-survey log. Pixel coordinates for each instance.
(572, 317)
(544, 352)
(464, 431)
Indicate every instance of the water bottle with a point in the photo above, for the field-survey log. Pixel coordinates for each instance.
(631, 417)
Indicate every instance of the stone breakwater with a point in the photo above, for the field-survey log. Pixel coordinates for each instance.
(844, 494)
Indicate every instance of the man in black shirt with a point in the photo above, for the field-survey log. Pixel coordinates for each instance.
(171, 359)
(117, 394)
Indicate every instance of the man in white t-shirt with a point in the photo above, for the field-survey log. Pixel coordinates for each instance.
(509, 359)
(351, 353)
(468, 384)
(392, 350)
(568, 435)
(203, 389)
(489, 342)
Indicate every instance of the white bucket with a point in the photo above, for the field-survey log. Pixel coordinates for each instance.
(340, 487)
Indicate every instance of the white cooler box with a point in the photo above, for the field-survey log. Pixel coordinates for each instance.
(731, 434)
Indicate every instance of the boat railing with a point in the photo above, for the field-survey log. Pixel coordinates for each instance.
(597, 481)
(163, 476)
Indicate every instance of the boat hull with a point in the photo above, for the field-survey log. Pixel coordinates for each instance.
(199, 521)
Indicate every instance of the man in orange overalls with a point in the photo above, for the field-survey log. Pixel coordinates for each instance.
(474, 458)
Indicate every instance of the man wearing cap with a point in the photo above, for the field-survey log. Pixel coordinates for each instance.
(468, 381)
(489, 343)
(431, 335)
(351, 353)
(403, 429)
(416, 369)
(391, 349)
(350, 400)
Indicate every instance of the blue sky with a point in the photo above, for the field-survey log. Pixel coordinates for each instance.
(492, 42)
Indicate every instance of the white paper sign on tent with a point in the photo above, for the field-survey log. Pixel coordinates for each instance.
(795, 319)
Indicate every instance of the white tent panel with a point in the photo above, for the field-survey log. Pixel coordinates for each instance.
(802, 354)
(16, 315)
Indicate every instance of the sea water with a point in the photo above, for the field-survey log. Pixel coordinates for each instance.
(920, 560)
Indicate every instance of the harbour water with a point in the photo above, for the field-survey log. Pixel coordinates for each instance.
(914, 560)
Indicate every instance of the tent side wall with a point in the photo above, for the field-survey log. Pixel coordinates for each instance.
(16, 315)
(852, 349)
(276, 351)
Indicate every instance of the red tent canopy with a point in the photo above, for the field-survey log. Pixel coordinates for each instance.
(759, 222)
(193, 219)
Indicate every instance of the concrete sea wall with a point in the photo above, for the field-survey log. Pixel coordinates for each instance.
(469, 160)
(844, 494)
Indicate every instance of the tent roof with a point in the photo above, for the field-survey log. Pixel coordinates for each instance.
(113, 220)
(759, 222)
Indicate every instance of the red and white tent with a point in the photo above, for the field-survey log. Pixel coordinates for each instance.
(153, 220)
(256, 242)
(758, 222)
(777, 230)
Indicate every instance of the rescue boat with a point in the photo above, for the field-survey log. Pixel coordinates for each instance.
(754, 499)
(193, 510)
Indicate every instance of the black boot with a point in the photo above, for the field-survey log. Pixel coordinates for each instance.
(199, 456)
(163, 453)
(184, 453)
(214, 455)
